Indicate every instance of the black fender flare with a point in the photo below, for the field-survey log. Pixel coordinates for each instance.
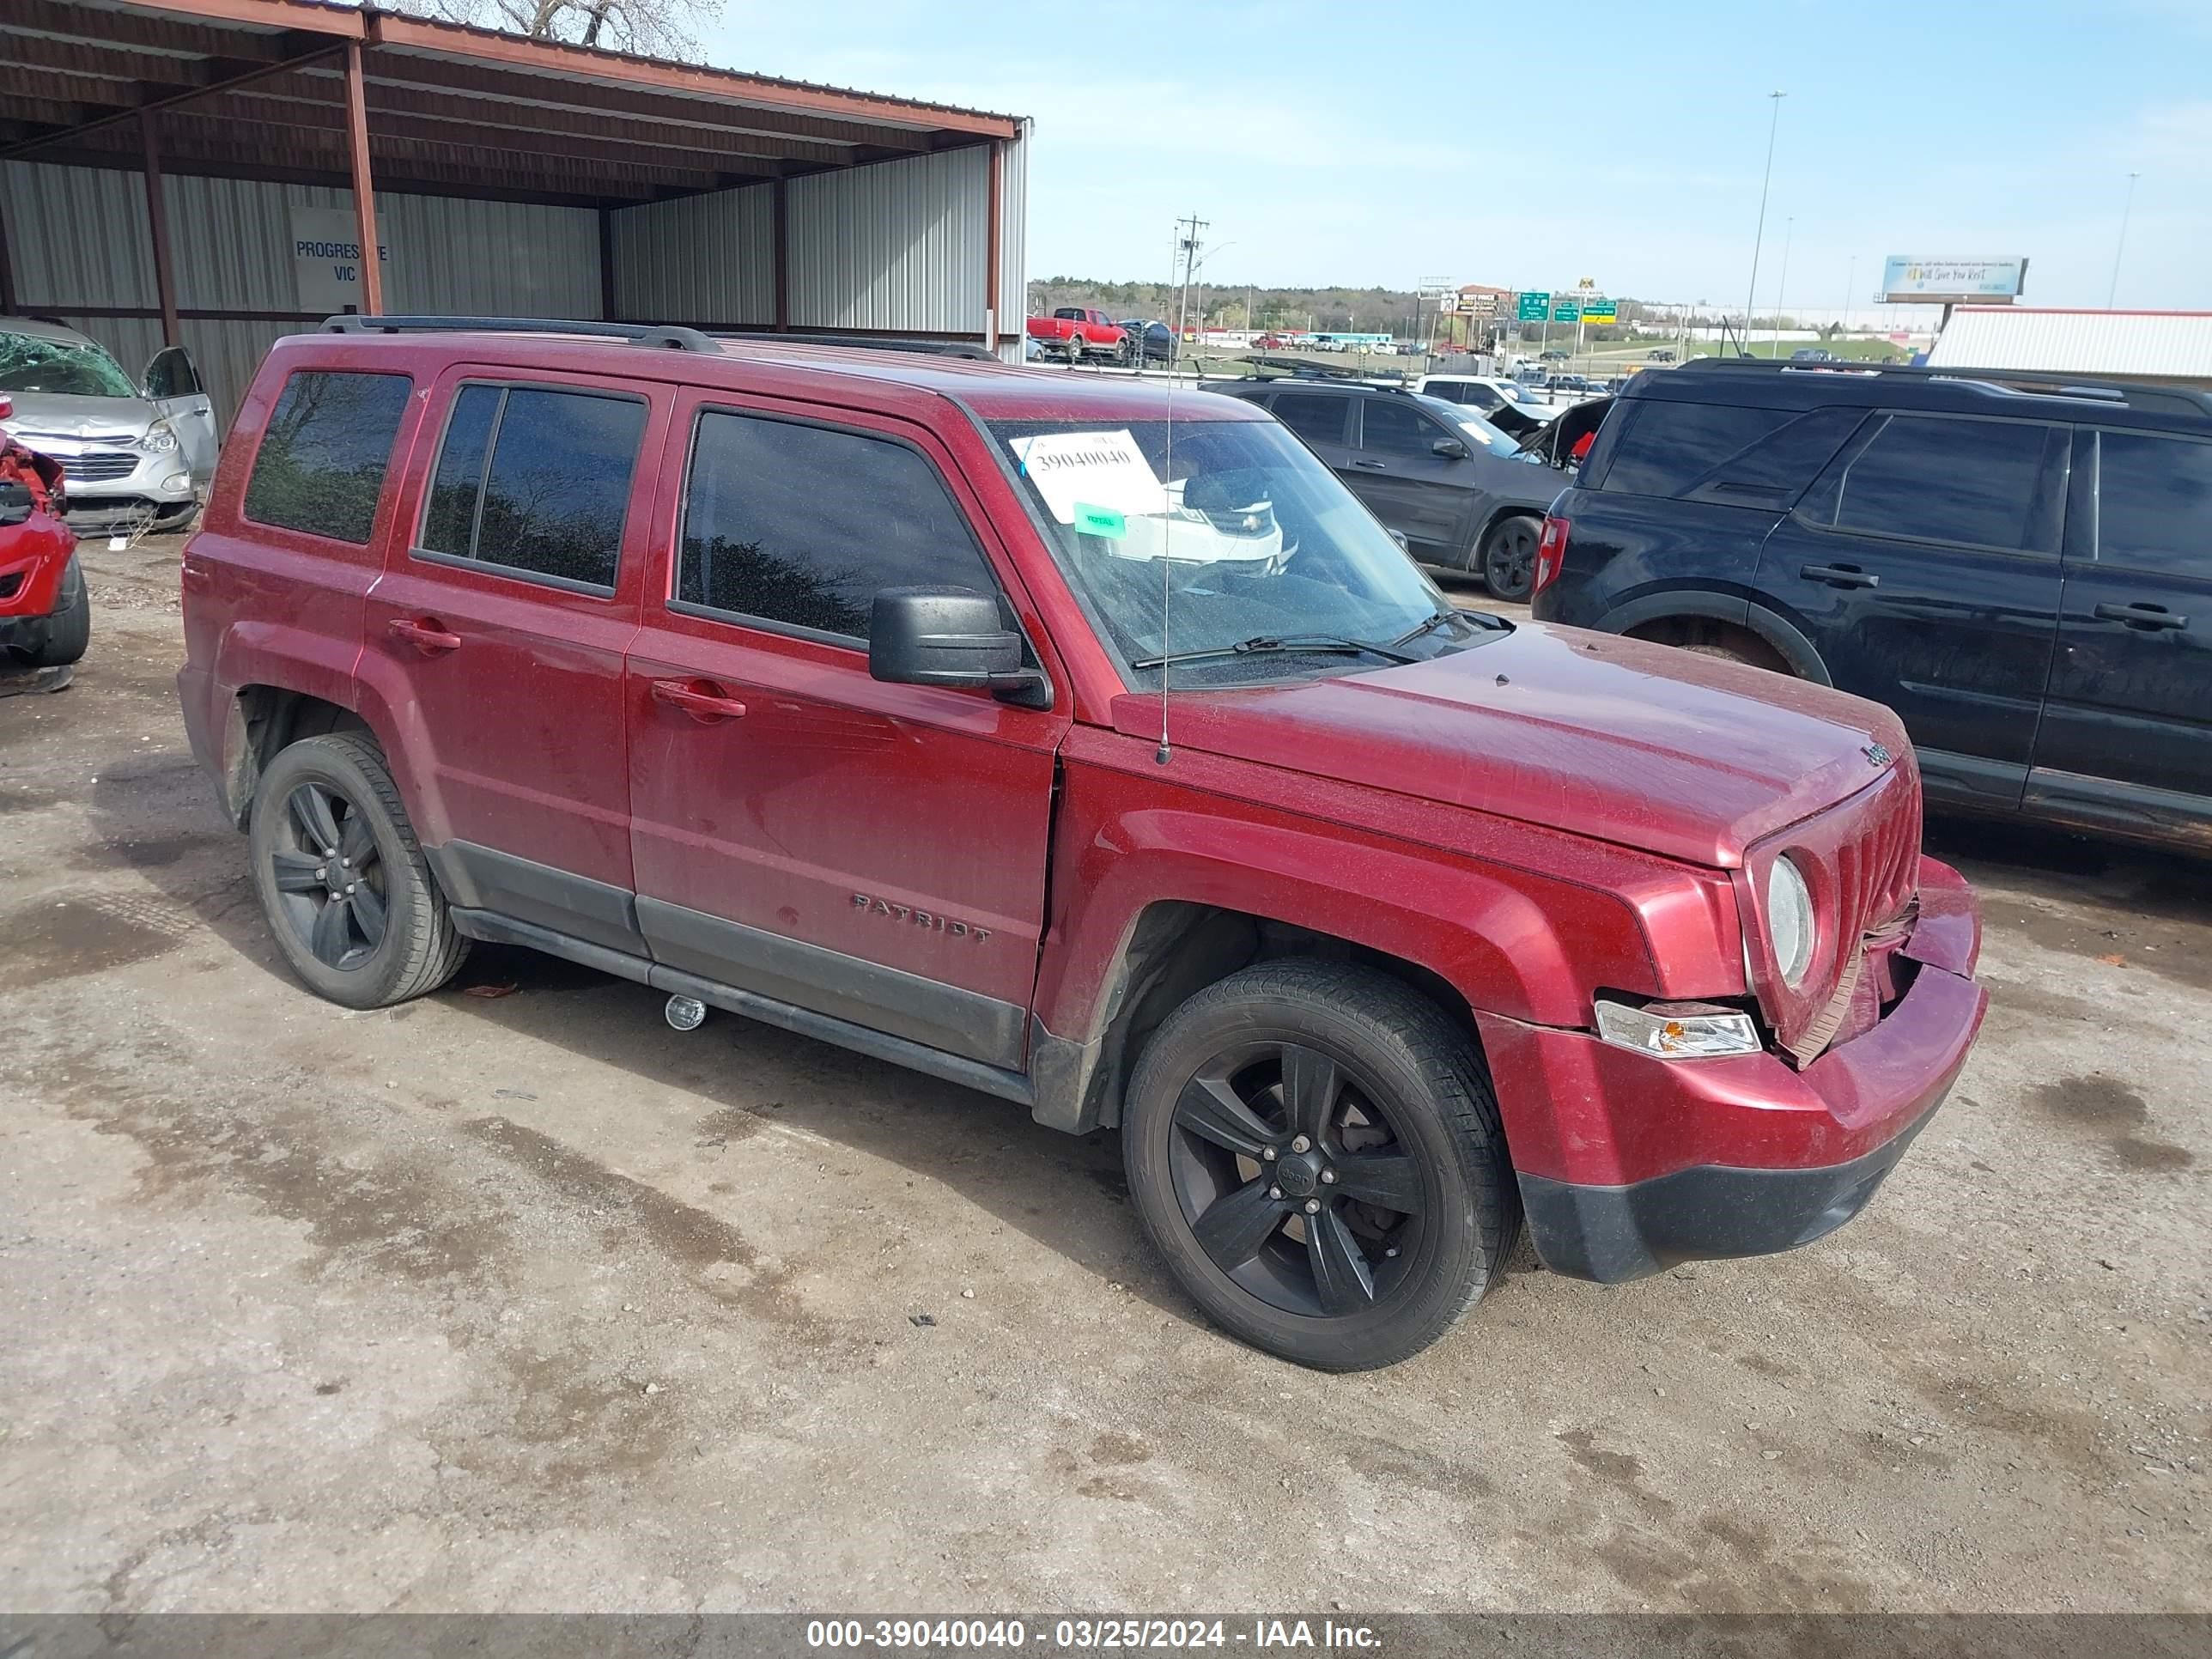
(1787, 639)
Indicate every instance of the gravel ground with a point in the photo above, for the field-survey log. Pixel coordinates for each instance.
(523, 1301)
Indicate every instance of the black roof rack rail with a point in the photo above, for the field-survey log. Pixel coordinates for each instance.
(2033, 382)
(645, 334)
(973, 350)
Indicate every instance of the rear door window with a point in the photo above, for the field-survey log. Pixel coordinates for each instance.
(2154, 504)
(536, 481)
(1982, 483)
(1317, 419)
(1391, 427)
(803, 525)
(320, 464)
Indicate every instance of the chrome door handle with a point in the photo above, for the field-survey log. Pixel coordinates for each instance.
(2148, 617)
(1840, 575)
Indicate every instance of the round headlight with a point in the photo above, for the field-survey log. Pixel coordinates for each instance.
(1788, 921)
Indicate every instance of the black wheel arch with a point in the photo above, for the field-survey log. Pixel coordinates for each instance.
(1783, 636)
(264, 721)
(1174, 949)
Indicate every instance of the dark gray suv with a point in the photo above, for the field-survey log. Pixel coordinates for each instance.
(1463, 495)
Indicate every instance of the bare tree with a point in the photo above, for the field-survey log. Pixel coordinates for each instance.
(661, 28)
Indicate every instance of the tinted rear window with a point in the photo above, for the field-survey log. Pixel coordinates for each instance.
(1317, 419)
(321, 463)
(1670, 446)
(2154, 504)
(536, 481)
(1984, 483)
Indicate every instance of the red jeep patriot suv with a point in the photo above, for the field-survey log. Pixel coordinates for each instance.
(1091, 746)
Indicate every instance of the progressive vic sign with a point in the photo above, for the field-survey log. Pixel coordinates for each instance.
(326, 257)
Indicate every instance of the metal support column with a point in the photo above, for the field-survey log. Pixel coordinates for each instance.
(364, 190)
(992, 244)
(782, 256)
(157, 225)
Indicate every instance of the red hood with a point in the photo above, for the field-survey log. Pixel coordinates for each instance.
(1687, 756)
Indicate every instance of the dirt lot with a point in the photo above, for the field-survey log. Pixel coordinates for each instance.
(526, 1301)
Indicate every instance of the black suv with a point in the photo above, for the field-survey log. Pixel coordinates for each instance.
(2019, 565)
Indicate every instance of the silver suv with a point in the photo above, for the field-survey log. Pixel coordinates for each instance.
(134, 455)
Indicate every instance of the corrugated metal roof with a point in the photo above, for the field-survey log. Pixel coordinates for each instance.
(2166, 344)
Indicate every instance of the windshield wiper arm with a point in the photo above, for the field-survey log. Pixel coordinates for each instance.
(1268, 642)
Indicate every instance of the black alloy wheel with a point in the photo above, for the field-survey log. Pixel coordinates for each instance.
(345, 885)
(1509, 557)
(1294, 1182)
(329, 878)
(1313, 1147)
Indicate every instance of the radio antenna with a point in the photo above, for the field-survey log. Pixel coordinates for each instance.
(1188, 248)
(1161, 756)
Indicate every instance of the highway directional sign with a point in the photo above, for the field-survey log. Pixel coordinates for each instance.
(1564, 310)
(1531, 305)
(1601, 310)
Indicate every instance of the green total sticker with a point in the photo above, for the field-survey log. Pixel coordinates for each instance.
(1101, 521)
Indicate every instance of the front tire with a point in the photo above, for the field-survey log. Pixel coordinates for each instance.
(1315, 1151)
(342, 880)
(1509, 557)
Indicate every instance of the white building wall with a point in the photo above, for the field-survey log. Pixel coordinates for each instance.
(898, 245)
(79, 236)
(703, 259)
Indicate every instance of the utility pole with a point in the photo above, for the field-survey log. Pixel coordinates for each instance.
(2119, 247)
(1850, 282)
(1789, 229)
(1187, 244)
(1751, 294)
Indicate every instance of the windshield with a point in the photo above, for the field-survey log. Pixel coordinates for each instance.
(1253, 539)
(76, 369)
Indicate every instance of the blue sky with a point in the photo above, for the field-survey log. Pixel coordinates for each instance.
(1390, 144)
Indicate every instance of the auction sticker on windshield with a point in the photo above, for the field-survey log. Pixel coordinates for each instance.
(1095, 468)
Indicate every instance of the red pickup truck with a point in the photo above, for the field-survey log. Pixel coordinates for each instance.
(1072, 332)
(925, 708)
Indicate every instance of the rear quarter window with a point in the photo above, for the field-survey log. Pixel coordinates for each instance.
(321, 462)
(1666, 448)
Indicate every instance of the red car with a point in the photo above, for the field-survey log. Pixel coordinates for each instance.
(45, 617)
(927, 709)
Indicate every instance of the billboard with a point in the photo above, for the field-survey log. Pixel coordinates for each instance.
(1909, 280)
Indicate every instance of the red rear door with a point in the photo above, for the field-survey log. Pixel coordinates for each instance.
(495, 638)
(869, 851)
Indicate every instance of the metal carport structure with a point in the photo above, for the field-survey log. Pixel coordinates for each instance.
(157, 158)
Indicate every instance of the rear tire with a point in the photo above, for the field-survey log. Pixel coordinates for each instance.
(64, 636)
(1304, 1082)
(1509, 556)
(342, 880)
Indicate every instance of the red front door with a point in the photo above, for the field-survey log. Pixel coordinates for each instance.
(869, 851)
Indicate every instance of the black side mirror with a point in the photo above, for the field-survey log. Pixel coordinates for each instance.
(917, 636)
(1451, 448)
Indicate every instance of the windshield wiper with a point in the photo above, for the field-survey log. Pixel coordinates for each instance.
(1260, 643)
